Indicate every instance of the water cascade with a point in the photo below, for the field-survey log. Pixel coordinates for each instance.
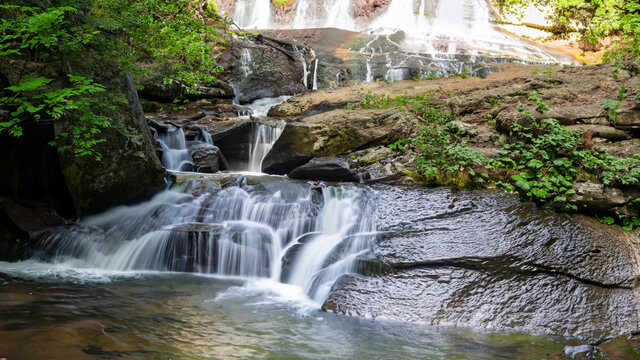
(264, 137)
(442, 27)
(175, 155)
(239, 230)
(259, 108)
(315, 75)
(252, 14)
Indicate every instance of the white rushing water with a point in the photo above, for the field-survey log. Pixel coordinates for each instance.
(445, 27)
(175, 155)
(260, 108)
(305, 236)
(264, 137)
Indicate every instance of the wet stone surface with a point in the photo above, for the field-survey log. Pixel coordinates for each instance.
(481, 259)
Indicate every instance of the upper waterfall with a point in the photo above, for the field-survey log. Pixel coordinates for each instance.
(448, 27)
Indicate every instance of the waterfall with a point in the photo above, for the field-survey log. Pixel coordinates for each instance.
(264, 137)
(175, 155)
(245, 62)
(346, 230)
(204, 136)
(315, 75)
(323, 14)
(252, 14)
(240, 230)
(305, 72)
(452, 27)
(260, 108)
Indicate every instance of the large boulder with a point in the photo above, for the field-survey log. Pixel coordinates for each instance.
(129, 170)
(481, 259)
(336, 132)
(206, 157)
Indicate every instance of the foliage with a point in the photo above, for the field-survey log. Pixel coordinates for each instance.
(541, 107)
(591, 19)
(611, 106)
(544, 158)
(622, 93)
(80, 36)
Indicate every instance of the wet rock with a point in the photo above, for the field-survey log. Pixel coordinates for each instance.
(269, 67)
(327, 169)
(493, 300)
(522, 270)
(205, 157)
(288, 260)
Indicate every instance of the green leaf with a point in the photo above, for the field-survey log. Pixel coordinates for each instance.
(29, 84)
(522, 185)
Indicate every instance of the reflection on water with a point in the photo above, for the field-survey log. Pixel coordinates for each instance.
(153, 315)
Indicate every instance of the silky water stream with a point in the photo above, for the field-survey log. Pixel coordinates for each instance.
(227, 265)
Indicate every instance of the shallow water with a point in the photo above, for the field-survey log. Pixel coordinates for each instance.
(63, 313)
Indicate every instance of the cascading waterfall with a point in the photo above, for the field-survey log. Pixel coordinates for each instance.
(264, 137)
(444, 27)
(252, 14)
(240, 230)
(204, 136)
(260, 108)
(315, 75)
(346, 230)
(175, 155)
(305, 71)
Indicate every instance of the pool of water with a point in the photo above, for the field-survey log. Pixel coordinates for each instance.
(48, 311)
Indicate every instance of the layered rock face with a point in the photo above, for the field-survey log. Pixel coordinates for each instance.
(521, 270)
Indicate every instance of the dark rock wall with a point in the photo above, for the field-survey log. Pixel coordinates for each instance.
(129, 170)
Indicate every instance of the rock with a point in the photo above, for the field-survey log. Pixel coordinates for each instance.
(326, 169)
(205, 157)
(628, 118)
(269, 67)
(366, 9)
(492, 300)
(129, 170)
(600, 199)
(381, 164)
(605, 132)
(336, 133)
(155, 88)
(626, 148)
(522, 270)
